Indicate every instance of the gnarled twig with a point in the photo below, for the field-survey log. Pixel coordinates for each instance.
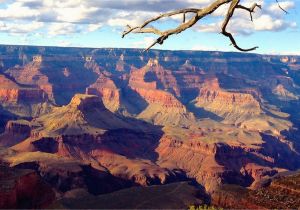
(198, 14)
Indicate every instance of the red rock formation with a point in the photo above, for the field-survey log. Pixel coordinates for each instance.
(194, 157)
(142, 172)
(234, 87)
(30, 74)
(23, 189)
(281, 191)
(164, 108)
(214, 163)
(230, 105)
(233, 198)
(10, 92)
(22, 95)
(107, 90)
(9, 95)
(228, 98)
(167, 100)
(163, 76)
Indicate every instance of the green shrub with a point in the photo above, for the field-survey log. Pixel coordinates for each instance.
(204, 207)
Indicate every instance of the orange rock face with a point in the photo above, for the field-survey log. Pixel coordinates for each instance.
(30, 74)
(107, 90)
(11, 92)
(8, 90)
(160, 97)
(163, 107)
(229, 105)
(149, 90)
(239, 99)
(18, 95)
(9, 95)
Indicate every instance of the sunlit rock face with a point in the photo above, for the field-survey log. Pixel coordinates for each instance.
(107, 90)
(131, 118)
(11, 92)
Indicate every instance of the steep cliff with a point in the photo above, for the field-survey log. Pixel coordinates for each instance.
(215, 155)
(107, 90)
(231, 106)
(280, 192)
(15, 132)
(11, 92)
(22, 100)
(31, 74)
(86, 130)
(163, 107)
(23, 189)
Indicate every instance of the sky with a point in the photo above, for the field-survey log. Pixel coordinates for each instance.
(99, 23)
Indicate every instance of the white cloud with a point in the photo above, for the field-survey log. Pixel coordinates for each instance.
(270, 19)
(74, 16)
(62, 29)
(94, 27)
(15, 28)
(286, 5)
(17, 11)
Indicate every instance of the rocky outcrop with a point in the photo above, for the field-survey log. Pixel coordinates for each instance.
(280, 192)
(76, 131)
(85, 114)
(10, 92)
(23, 101)
(30, 74)
(65, 174)
(284, 94)
(197, 159)
(15, 132)
(9, 95)
(23, 189)
(231, 106)
(233, 197)
(224, 161)
(140, 171)
(163, 107)
(149, 90)
(164, 77)
(282, 87)
(107, 90)
(22, 95)
(174, 196)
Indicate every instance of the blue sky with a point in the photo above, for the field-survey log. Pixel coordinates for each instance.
(99, 23)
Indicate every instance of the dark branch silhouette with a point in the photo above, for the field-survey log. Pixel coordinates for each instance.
(197, 14)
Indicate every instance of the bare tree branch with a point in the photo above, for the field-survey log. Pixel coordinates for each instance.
(198, 14)
(281, 7)
(229, 15)
(249, 9)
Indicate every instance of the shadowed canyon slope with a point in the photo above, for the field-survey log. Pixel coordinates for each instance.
(94, 121)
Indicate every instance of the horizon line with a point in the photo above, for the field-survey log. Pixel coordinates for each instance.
(143, 49)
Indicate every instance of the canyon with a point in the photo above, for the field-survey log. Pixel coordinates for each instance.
(90, 123)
